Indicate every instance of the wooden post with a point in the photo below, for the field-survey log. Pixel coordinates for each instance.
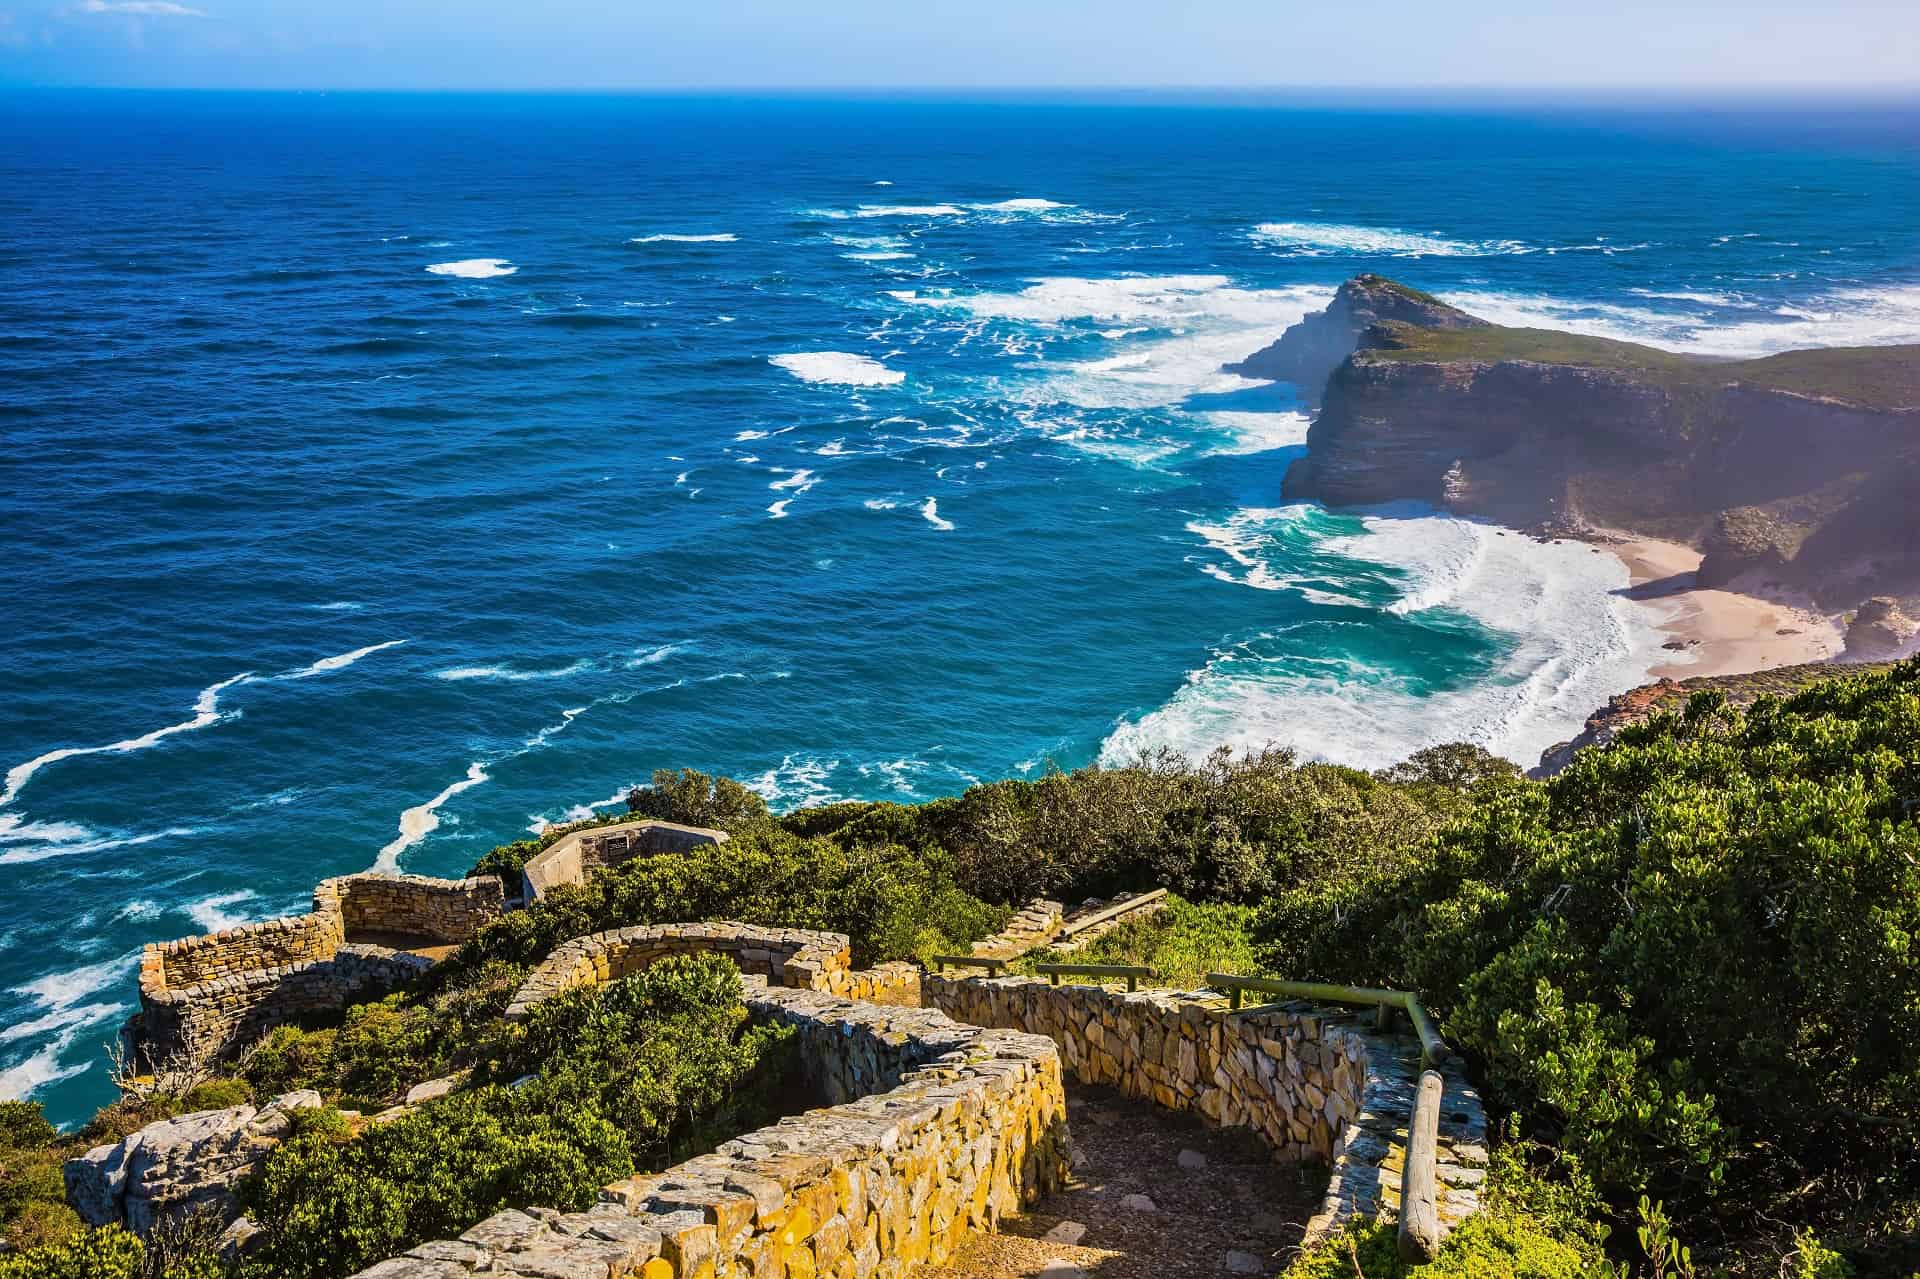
(1419, 1181)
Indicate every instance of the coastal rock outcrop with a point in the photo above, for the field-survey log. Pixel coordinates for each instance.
(179, 1165)
(1880, 629)
(1306, 354)
(1797, 468)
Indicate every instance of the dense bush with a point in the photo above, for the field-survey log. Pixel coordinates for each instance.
(694, 799)
(889, 901)
(1182, 942)
(638, 1073)
(1689, 959)
(1227, 829)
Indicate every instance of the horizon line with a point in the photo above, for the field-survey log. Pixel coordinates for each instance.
(1877, 91)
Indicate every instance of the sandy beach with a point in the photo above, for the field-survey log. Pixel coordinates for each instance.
(1723, 632)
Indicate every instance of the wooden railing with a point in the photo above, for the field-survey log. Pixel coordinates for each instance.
(1419, 1181)
(995, 966)
(1132, 972)
(1079, 926)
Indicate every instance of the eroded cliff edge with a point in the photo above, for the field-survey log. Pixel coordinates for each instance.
(1799, 470)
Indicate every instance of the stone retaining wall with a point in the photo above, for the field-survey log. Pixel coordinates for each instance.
(796, 957)
(574, 858)
(202, 998)
(1314, 1083)
(947, 1127)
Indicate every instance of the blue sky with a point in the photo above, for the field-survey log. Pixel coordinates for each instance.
(672, 44)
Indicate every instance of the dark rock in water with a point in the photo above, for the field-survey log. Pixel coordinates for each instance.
(1308, 353)
(1880, 629)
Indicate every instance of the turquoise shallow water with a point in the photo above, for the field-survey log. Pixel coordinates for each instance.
(386, 475)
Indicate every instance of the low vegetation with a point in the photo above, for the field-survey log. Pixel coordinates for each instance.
(1683, 972)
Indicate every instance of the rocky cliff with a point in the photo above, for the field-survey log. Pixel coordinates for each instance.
(1308, 353)
(1798, 469)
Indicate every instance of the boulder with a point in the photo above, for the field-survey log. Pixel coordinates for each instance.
(1880, 629)
(179, 1164)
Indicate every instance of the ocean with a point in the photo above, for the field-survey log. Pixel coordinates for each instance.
(385, 476)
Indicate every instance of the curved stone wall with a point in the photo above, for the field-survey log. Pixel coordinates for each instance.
(946, 1127)
(1314, 1083)
(575, 858)
(201, 998)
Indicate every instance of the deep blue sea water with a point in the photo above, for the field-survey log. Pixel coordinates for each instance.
(384, 476)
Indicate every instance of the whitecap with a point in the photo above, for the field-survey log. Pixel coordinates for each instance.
(778, 510)
(930, 512)
(654, 656)
(474, 268)
(53, 1022)
(212, 913)
(1021, 206)
(95, 844)
(718, 237)
(1315, 239)
(799, 481)
(797, 781)
(206, 712)
(895, 211)
(75, 985)
(880, 504)
(25, 1078)
(751, 435)
(340, 662)
(540, 822)
(338, 606)
(510, 674)
(842, 367)
(422, 820)
(878, 255)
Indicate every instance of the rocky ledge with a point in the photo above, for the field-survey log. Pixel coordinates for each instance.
(1792, 472)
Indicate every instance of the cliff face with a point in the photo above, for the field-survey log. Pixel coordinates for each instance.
(1311, 350)
(1799, 468)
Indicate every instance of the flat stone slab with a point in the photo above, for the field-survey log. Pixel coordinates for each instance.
(1139, 1203)
(1192, 1160)
(1245, 1263)
(1058, 1269)
(1067, 1232)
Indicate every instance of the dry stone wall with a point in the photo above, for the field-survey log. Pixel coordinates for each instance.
(944, 1128)
(574, 858)
(797, 957)
(1314, 1083)
(201, 998)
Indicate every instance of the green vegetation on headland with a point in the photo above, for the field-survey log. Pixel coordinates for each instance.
(1876, 376)
(1684, 972)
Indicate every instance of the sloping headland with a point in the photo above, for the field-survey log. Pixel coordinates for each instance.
(1766, 502)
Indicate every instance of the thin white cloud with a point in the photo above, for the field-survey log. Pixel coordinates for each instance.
(141, 8)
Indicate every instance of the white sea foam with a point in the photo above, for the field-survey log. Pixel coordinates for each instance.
(842, 367)
(78, 1015)
(510, 674)
(1022, 206)
(340, 662)
(94, 843)
(206, 712)
(778, 510)
(893, 211)
(1840, 317)
(422, 820)
(338, 606)
(140, 911)
(718, 237)
(930, 512)
(1571, 642)
(75, 985)
(1318, 239)
(880, 504)
(213, 914)
(1247, 432)
(24, 1078)
(579, 812)
(797, 781)
(654, 656)
(878, 255)
(474, 268)
(751, 435)
(799, 481)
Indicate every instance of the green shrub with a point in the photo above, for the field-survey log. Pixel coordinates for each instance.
(694, 799)
(109, 1253)
(1182, 942)
(1690, 958)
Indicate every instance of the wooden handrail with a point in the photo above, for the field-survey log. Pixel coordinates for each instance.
(967, 961)
(1433, 1049)
(1103, 915)
(1132, 972)
(1419, 1179)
